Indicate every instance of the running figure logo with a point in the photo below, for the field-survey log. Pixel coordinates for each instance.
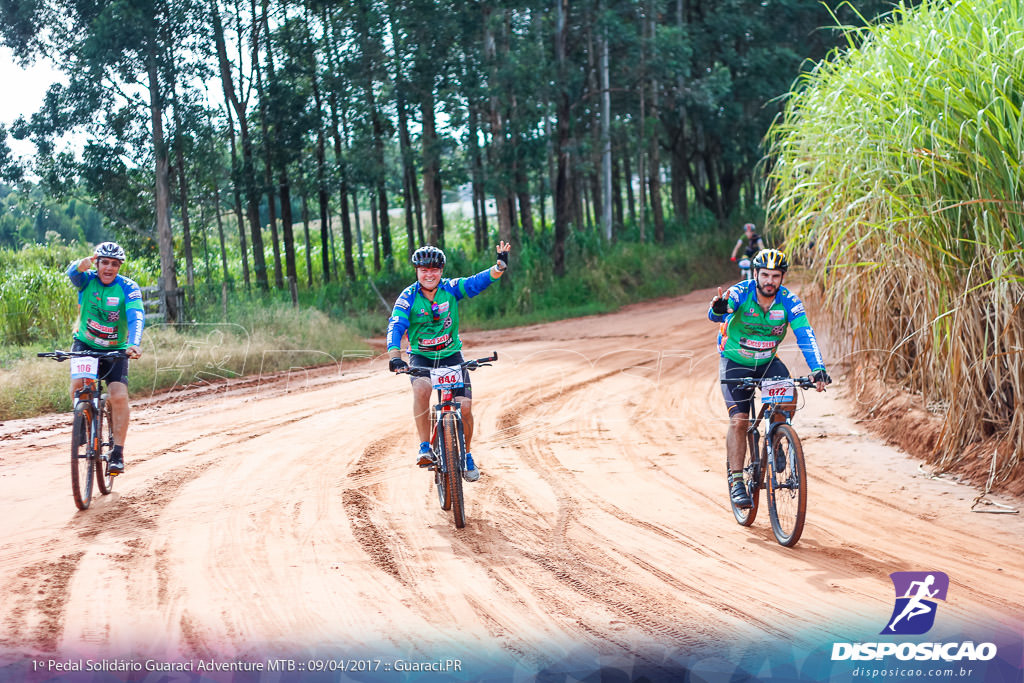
(916, 595)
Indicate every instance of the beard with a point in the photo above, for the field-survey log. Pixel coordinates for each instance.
(761, 289)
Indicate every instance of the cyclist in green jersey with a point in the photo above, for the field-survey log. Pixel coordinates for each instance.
(755, 315)
(111, 319)
(428, 310)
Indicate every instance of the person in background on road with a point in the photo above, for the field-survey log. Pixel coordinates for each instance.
(428, 310)
(755, 315)
(753, 240)
(111, 319)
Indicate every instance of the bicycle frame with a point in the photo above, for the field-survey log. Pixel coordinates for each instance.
(90, 406)
(448, 441)
(784, 479)
(767, 412)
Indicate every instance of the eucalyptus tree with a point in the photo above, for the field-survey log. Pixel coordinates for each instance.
(115, 55)
(238, 99)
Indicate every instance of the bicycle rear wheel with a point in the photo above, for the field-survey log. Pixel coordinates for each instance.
(787, 488)
(753, 480)
(81, 464)
(453, 445)
(103, 476)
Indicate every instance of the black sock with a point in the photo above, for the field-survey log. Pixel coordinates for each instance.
(117, 450)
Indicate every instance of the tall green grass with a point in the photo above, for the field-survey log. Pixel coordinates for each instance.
(897, 169)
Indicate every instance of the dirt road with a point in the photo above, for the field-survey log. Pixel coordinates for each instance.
(286, 519)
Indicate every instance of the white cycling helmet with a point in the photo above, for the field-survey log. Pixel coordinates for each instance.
(110, 250)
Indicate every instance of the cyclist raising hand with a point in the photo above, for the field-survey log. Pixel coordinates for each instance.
(111, 318)
(428, 311)
(754, 316)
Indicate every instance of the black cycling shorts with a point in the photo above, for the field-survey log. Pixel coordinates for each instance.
(111, 369)
(737, 398)
(418, 361)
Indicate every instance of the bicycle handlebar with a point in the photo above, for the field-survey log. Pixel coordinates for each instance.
(417, 371)
(802, 382)
(64, 355)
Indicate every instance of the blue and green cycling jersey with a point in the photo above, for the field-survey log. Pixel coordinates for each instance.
(751, 335)
(433, 327)
(112, 316)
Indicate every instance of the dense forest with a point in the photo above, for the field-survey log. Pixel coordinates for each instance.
(232, 122)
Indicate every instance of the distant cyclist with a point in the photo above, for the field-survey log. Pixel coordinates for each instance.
(111, 318)
(755, 315)
(750, 242)
(428, 310)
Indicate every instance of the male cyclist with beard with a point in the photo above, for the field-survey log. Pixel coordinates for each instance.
(429, 311)
(755, 315)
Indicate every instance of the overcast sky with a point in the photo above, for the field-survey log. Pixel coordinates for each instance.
(23, 92)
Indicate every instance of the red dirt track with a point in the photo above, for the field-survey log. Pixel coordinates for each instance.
(285, 517)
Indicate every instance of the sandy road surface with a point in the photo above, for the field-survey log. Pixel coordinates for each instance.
(286, 519)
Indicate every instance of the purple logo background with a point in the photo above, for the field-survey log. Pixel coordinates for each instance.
(916, 596)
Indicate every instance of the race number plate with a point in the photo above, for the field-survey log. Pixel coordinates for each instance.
(446, 378)
(778, 391)
(84, 367)
(744, 263)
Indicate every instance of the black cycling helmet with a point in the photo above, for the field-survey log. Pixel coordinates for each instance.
(110, 250)
(428, 257)
(770, 259)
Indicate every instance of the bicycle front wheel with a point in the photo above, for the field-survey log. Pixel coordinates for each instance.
(444, 496)
(81, 464)
(106, 442)
(787, 486)
(453, 458)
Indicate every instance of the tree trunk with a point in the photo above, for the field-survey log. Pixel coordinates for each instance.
(237, 194)
(404, 144)
(220, 234)
(346, 220)
(606, 141)
(165, 241)
(309, 246)
(373, 233)
(247, 175)
(654, 182)
(562, 192)
(434, 208)
(477, 180)
(321, 183)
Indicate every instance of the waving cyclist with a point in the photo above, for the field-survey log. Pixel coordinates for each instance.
(755, 315)
(428, 310)
(753, 240)
(111, 318)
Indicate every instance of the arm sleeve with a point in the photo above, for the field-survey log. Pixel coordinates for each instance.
(805, 339)
(78, 279)
(398, 323)
(468, 287)
(134, 311)
(809, 347)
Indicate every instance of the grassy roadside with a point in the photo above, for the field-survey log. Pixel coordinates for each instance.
(271, 339)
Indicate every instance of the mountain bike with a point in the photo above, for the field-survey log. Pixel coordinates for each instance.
(776, 462)
(92, 422)
(447, 436)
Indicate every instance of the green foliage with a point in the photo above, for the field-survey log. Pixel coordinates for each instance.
(898, 170)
